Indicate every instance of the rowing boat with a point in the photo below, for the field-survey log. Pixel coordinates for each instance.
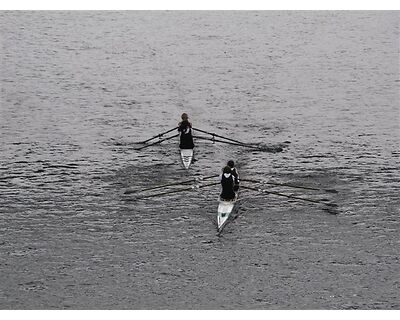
(225, 208)
(186, 156)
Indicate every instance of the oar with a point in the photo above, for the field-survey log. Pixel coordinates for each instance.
(176, 191)
(159, 141)
(171, 184)
(216, 135)
(232, 143)
(289, 185)
(159, 135)
(290, 196)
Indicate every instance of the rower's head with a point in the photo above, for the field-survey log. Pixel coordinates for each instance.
(184, 116)
(227, 169)
(231, 163)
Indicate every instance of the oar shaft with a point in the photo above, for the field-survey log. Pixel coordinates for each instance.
(287, 196)
(159, 141)
(158, 187)
(232, 143)
(164, 193)
(216, 135)
(288, 185)
(159, 135)
(170, 184)
(177, 190)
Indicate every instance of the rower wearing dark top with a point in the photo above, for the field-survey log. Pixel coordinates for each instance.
(185, 128)
(227, 182)
(235, 173)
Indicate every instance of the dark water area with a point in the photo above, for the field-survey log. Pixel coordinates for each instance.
(79, 88)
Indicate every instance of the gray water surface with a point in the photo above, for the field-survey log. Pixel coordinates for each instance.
(79, 88)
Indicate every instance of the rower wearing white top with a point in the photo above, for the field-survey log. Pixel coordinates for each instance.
(235, 173)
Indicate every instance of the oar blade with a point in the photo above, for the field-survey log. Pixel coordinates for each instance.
(332, 211)
(332, 205)
(331, 190)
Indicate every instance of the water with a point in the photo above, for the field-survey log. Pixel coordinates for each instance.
(78, 88)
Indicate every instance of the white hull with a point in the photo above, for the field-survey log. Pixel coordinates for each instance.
(225, 208)
(186, 156)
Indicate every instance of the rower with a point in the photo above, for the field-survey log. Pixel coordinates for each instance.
(235, 173)
(185, 129)
(227, 182)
